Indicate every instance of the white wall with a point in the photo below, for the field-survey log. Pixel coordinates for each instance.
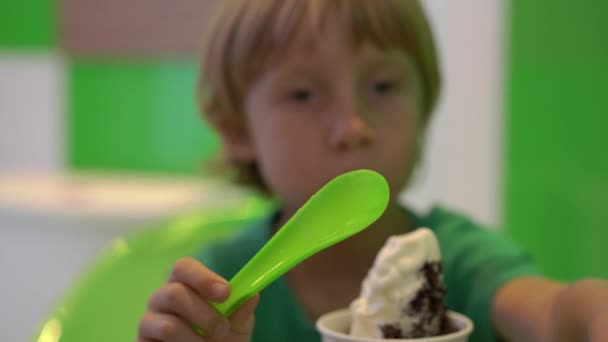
(31, 111)
(463, 161)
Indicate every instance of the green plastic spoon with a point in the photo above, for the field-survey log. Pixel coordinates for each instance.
(343, 207)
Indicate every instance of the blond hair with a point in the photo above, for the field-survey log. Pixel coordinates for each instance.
(246, 36)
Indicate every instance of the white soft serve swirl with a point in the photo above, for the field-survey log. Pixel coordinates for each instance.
(393, 282)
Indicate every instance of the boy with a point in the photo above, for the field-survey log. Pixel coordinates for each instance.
(301, 91)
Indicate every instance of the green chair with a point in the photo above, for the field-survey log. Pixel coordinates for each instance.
(106, 304)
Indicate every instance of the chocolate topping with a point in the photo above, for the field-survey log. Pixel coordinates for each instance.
(427, 306)
(391, 331)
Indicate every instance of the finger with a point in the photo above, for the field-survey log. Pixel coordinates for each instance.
(156, 326)
(209, 285)
(242, 320)
(179, 300)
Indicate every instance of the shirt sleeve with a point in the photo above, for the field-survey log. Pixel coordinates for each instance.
(477, 262)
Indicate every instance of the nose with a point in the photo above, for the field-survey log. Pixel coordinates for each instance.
(349, 130)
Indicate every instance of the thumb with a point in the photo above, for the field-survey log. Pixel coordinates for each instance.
(242, 320)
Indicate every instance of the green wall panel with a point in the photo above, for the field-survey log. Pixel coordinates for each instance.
(136, 116)
(557, 149)
(27, 24)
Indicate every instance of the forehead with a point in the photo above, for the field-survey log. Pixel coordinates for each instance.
(335, 44)
(300, 26)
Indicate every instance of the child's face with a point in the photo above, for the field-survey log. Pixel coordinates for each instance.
(326, 109)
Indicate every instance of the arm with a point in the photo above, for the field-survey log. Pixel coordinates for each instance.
(537, 309)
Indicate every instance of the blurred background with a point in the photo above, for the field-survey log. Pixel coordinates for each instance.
(99, 134)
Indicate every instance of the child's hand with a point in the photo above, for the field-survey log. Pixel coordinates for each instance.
(581, 312)
(539, 309)
(184, 302)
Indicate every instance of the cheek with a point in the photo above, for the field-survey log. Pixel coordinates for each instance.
(400, 125)
(282, 146)
(399, 145)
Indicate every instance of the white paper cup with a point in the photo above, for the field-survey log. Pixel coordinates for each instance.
(334, 327)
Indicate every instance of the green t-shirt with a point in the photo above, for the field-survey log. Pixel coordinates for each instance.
(476, 263)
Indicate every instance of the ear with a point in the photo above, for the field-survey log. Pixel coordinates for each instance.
(235, 138)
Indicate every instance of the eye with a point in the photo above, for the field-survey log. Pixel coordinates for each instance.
(384, 87)
(301, 95)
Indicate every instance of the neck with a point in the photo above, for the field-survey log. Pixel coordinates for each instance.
(358, 252)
